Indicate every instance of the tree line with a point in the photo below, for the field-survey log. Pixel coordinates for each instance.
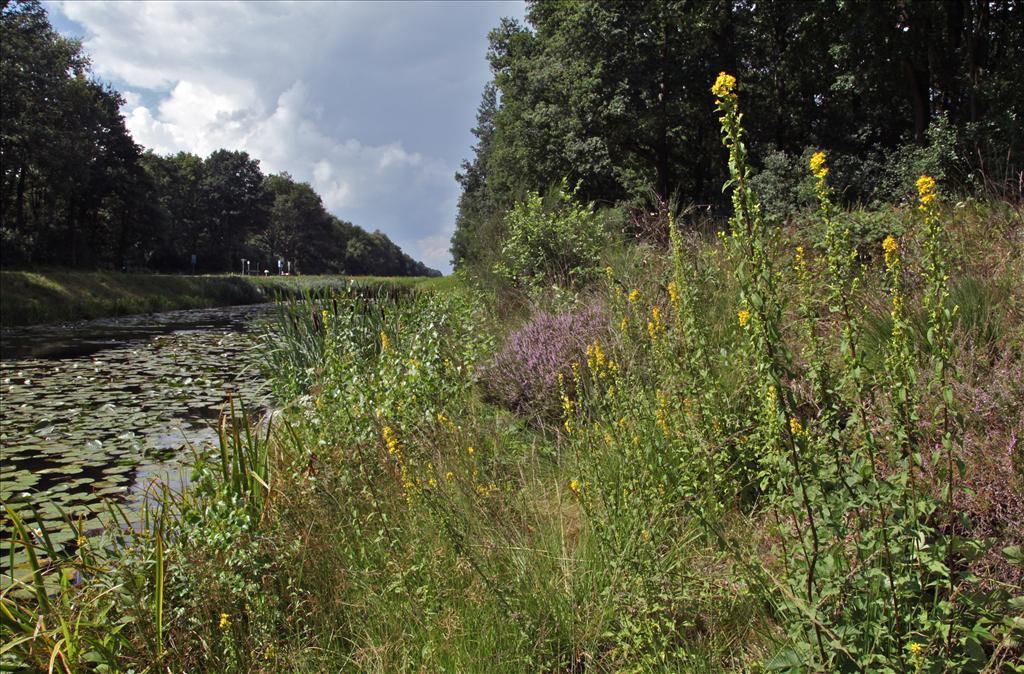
(613, 94)
(77, 190)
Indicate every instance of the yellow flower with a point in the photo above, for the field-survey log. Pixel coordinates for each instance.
(744, 317)
(673, 292)
(225, 622)
(915, 649)
(470, 450)
(724, 86)
(624, 325)
(634, 295)
(385, 343)
(889, 247)
(449, 476)
(391, 441)
(794, 426)
(926, 189)
(818, 167)
(574, 486)
(655, 326)
(324, 314)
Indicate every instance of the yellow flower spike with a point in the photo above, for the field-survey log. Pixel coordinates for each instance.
(926, 189)
(889, 247)
(634, 295)
(724, 86)
(391, 441)
(794, 426)
(624, 325)
(915, 649)
(744, 317)
(470, 451)
(385, 343)
(673, 292)
(655, 326)
(818, 167)
(574, 486)
(324, 314)
(225, 622)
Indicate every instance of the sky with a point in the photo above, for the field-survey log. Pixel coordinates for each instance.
(370, 102)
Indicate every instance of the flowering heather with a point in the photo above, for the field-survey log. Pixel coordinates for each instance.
(524, 375)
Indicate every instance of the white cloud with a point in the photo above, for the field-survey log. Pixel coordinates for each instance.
(369, 102)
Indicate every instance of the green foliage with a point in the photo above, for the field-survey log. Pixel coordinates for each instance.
(606, 93)
(76, 191)
(549, 242)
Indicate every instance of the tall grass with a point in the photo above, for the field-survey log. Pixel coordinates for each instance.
(759, 456)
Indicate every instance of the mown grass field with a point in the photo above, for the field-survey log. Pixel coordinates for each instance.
(50, 296)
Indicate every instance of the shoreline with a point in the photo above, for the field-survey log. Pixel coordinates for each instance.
(56, 296)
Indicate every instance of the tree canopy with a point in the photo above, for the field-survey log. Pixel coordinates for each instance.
(76, 190)
(614, 93)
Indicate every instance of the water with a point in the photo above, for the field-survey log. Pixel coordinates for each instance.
(100, 409)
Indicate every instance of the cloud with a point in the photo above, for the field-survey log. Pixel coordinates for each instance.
(370, 102)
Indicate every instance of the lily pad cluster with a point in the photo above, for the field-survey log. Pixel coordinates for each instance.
(104, 425)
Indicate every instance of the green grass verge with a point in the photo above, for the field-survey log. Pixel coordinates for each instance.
(28, 298)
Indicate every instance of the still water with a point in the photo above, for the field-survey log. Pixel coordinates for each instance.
(100, 409)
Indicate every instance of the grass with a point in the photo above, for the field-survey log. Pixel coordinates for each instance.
(393, 519)
(50, 296)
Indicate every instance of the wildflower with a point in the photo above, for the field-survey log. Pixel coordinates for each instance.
(744, 317)
(673, 292)
(915, 649)
(818, 167)
(574, 486)
(624, 325)
(725, 86)
(634, 295)
(655, 326)
(470, 450)
(926, 190)
(794, 426)
(385, 343)
(324, 314)
(391, 442)
(889, 247)
(270, 652)
(645, 534)
(449, 476)
(225, 622)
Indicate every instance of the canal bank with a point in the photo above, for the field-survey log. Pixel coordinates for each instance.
(39, 297)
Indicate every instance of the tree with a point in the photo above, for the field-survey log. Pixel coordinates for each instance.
(235, 204)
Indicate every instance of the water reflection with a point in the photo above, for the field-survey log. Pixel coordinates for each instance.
(98, 409)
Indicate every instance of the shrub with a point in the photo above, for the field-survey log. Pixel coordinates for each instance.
(524, 375)
(553, 241)
(782, 185)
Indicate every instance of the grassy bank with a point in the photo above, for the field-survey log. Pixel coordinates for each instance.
(28, 298)
(774, 448)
